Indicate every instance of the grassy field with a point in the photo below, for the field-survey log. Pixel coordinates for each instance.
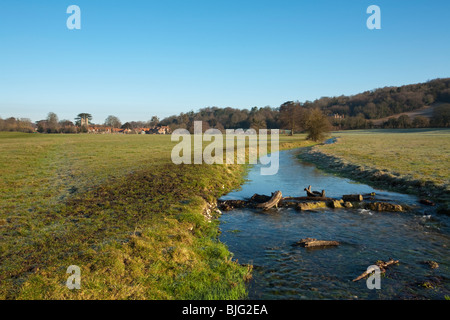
(115, 206)
(414, 160)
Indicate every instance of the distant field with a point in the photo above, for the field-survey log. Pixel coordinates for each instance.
(116, 206)
(426, 111)
(42, 170)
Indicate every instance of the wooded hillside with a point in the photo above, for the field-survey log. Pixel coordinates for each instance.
(345, 112)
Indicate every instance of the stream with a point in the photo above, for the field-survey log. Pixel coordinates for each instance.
(281, 271)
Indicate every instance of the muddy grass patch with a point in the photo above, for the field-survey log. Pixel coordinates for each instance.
(132, 239)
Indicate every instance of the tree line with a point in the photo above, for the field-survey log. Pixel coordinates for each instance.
(19, 125)
(339, 113)
(290, 116)
(343, 112)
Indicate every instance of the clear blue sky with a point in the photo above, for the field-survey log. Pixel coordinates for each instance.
(135, 59)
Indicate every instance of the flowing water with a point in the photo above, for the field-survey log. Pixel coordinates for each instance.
(282, 271)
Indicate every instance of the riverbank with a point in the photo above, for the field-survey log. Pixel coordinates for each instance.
(138, 226)
(407, 161)
(282, 270)
(140, 233)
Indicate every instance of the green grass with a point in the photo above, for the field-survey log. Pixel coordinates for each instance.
(115, 206)
(421, 154)
(414, 158)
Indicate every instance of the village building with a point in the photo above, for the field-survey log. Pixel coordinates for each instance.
(99, 129)
(338, 116)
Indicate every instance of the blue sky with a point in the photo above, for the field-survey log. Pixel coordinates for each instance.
(135, 59)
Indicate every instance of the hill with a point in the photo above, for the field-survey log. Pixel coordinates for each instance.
(426, 112)
(379, 107)
(388, 101)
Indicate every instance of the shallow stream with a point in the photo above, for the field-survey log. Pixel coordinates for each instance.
(282, 271)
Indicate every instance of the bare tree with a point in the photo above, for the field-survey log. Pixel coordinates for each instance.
(154, 121)
(420, 122)
(293, 116)
(52, 123)
(113, 122)
(317, 125)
